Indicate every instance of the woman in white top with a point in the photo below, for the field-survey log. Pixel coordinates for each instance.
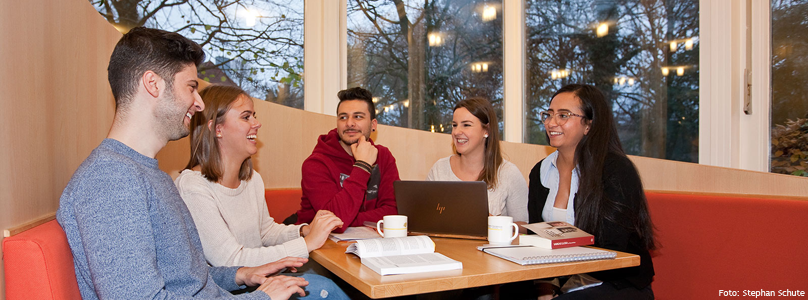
(226, 196)
(475, 141)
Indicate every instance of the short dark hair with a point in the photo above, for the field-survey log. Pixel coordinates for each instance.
(358, 93)
(145, 49)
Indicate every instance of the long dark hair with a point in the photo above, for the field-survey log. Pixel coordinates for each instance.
(483, 110)
(593, 207)
(204, 144)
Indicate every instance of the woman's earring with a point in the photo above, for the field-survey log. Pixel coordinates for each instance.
(486, 135)
(218, 134)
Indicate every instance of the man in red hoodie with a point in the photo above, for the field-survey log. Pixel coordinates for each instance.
(347, 173)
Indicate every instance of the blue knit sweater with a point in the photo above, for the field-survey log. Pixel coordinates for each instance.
(131, 234)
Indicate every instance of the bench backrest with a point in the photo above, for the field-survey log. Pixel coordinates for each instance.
(282, 203)
(39, 265)
(712, 243)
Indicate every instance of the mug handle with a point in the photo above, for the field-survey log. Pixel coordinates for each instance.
(379, 229)
(515, 231)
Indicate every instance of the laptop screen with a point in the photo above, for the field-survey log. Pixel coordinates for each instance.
(444, 208)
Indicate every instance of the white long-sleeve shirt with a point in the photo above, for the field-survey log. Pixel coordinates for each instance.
(234, 224)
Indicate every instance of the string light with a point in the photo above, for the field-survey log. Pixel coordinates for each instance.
(558, 74)
(665, 71)
(689, 44)
(435, 40)
(680, 71)
(479, 67)
(489, 13)
(602, 30)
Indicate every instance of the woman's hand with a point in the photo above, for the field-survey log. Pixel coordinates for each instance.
(322, 225)
(252, 276)
(283, 287)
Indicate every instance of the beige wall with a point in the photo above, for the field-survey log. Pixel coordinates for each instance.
(56, 107)
(288, 135)
(56, 104)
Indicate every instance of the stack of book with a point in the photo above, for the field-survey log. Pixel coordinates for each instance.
(553, 242)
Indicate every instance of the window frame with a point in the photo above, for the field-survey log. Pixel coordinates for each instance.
(728, 137)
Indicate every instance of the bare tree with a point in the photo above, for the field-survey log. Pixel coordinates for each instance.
(259, 58)
(422, 53)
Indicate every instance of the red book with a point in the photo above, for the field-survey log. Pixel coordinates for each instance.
(555, 235)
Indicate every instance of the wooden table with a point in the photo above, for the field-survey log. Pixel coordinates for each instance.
(479, 269)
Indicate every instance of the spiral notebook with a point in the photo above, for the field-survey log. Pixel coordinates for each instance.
(535, 255)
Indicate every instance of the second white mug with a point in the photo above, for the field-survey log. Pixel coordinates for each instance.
(501, 230)
(394, 226)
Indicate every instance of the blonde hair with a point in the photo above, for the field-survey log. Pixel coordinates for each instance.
(204, 144)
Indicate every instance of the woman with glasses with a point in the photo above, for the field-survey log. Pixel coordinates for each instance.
(475, 141)
(589, 182)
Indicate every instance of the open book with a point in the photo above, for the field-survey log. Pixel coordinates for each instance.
(404, 255)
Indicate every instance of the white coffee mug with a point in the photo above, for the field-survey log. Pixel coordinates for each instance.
(501, 230)
(394, 226)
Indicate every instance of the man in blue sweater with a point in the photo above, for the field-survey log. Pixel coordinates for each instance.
(131, 234)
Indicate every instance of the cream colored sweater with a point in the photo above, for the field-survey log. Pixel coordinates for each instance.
(234, 224)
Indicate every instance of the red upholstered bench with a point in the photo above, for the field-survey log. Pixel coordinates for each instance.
(38, 264)
(282, 203)
(728, 242)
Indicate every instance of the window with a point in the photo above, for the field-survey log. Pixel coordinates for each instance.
(789, 107)
(642, 54)
(423, 57)
(257, 45)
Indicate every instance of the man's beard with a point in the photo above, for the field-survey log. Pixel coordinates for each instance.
(356, 140)
(167, 113)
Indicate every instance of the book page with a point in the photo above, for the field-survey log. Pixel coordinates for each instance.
(405, 264)
(392, 246)
(356, 233)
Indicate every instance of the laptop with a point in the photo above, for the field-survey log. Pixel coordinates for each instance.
(457, 209)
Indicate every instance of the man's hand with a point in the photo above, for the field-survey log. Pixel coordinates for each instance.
(364, 151)
(324, 222)
(282, 287)
(252, 276)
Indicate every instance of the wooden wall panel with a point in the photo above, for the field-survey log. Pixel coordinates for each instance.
(56, 107)
(56, 103)
(288, 135)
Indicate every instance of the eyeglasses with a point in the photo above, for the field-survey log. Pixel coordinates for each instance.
(561, 117)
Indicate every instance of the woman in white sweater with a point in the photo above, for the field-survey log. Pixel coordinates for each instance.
(475, 141)
(226, 196)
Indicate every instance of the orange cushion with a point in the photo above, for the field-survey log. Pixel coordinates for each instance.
(282, 203)
(39, 265)
(712, 243)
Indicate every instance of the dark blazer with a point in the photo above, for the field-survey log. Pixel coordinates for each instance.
(622, 184)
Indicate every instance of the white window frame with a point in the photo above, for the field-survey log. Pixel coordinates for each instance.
(728, 137)
(325, 65)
